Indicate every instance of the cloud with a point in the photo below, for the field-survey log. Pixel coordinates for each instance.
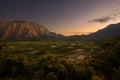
(115, 15)
(102, 19)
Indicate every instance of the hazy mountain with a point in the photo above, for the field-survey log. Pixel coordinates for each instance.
(23, 30)
(111, 31)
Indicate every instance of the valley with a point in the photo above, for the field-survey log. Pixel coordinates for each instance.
(28, 51)
(71, 51)
(36, 60)
(59, 39)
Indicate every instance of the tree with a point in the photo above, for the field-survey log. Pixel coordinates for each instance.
(51, 76)
(39, 75)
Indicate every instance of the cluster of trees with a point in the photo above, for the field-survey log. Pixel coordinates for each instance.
(103, 65)
(19, 67)
(106, 63)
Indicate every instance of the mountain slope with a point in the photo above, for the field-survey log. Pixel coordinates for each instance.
(23, 30)
(112, 30)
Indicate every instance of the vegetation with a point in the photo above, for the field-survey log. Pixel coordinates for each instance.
(106, 62)
(49, 60)
(41, 68)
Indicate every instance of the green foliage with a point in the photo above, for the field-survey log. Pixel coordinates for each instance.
(19, 67)
(51, 76)
(16, 61)
(107, 62)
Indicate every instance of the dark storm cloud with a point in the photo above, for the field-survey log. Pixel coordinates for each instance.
(102, 19)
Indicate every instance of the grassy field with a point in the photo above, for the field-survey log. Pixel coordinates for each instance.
(69, 50)
(81, 60)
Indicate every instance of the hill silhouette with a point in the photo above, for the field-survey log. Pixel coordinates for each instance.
(110, 31)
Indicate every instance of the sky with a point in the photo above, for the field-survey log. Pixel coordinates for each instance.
(66, 17)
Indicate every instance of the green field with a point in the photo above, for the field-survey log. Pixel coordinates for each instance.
(60, 60)
(43, 48)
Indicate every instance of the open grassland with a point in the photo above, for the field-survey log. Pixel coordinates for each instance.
(68, 50)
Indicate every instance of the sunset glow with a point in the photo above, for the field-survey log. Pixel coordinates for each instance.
(63, 16)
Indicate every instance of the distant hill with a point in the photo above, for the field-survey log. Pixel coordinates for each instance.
(25, 31)
(30, 31)
(111, 31)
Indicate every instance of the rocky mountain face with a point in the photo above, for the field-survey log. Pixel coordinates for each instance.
(25, 31)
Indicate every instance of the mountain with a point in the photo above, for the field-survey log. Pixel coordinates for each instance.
(25, 31)
(111, 31)
(30, 31)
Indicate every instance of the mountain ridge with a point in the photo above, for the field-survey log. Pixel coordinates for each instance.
(24, 30)
(31, 31)
(112, 30)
